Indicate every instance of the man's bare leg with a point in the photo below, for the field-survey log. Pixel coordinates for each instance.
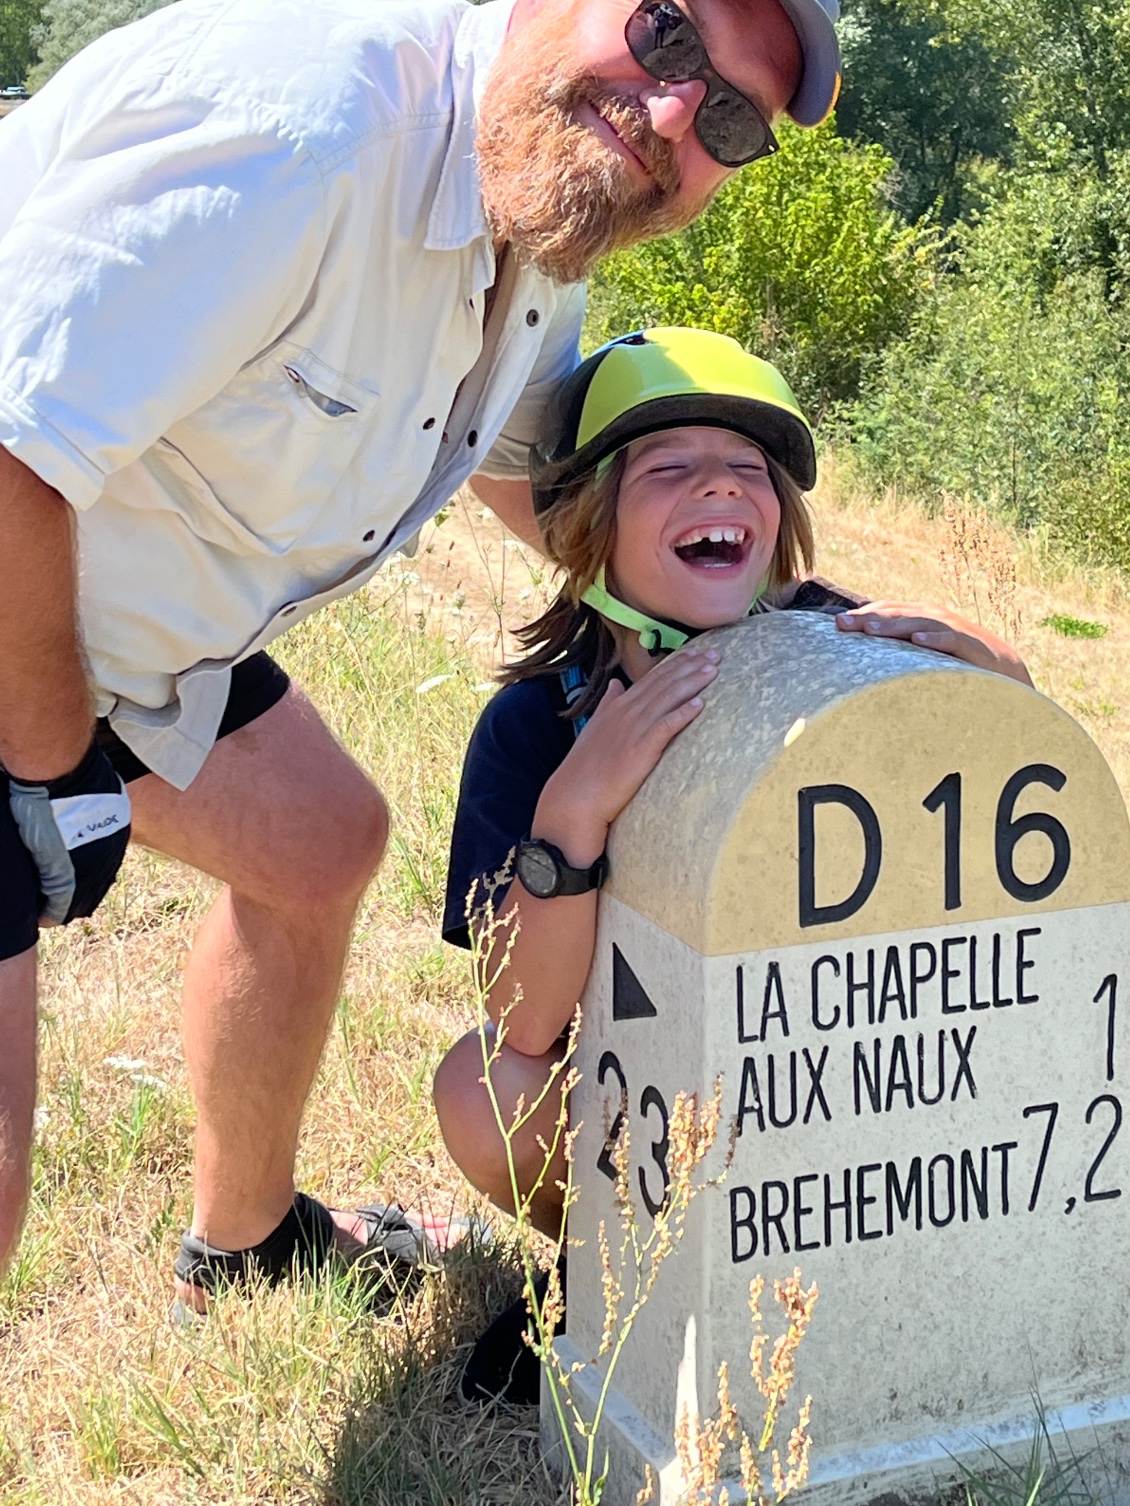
(17, 1094)
(296, 830)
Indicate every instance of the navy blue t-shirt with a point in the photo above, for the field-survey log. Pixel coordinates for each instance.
(519, 741)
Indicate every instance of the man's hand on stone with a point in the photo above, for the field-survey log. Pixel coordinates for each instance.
(77, 829)
(937, 628)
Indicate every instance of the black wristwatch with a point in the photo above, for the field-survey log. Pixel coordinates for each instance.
(545, 873)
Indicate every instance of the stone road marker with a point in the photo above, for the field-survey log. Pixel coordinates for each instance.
(887, 897)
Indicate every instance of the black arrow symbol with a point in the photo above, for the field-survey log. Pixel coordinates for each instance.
(629, 997)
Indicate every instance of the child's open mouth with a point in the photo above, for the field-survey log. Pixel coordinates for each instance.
(716, 547)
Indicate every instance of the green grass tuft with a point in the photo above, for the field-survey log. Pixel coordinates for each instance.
(1074, 627)
(1051, 1474)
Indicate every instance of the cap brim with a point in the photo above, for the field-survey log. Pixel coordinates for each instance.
(820, 80)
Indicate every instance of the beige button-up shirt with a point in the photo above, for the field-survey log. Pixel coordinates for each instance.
(243, 265)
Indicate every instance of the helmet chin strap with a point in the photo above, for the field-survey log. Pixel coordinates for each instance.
(655, 635)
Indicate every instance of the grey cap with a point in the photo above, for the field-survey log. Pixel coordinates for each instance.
(814, 21)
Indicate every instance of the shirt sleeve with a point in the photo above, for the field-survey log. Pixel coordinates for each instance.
(518, 742)
(508, 459)
(819, 595)
(167, 242)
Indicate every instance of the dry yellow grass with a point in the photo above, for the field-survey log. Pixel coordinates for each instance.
(324, 1394)
(881, 546)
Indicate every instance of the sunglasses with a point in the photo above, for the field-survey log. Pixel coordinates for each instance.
(665, 44)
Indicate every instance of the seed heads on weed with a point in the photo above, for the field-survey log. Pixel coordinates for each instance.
(631, 1257)
(977, 559)
(704, 1445)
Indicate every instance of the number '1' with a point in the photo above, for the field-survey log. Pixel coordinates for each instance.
(1109, 986)
(948, 794)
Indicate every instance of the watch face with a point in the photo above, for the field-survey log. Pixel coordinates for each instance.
(538, 871)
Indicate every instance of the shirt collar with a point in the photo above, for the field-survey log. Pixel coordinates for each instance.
(458, 216)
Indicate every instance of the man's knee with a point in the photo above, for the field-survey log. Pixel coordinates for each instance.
(354, 841)
(279, 811)
(330, 862)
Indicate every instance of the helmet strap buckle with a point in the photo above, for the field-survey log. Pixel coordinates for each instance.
(655, 635)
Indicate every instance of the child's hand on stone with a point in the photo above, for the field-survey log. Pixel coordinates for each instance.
(936, 628)
(618, 749)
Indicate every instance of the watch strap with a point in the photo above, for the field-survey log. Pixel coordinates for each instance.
(581, 880)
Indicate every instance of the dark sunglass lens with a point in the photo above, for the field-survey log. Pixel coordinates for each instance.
(731, 129)
(663, 41)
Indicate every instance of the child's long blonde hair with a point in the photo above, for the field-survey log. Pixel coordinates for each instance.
(580, 532)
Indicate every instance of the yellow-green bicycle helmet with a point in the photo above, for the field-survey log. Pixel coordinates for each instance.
(667, 378)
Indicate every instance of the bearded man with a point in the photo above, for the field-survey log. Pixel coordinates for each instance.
(275, 280)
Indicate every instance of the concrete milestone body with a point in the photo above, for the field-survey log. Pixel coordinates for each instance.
(886, 896)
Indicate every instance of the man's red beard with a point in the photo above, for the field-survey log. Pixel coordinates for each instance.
(557, 194)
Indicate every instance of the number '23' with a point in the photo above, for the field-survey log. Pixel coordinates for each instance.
(651, 1098)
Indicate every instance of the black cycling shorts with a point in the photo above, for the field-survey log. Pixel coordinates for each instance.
(257, 684)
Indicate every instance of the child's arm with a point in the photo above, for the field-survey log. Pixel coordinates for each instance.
(936, 628)
(619, 747)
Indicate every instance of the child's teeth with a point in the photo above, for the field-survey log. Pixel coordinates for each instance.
(714, 535)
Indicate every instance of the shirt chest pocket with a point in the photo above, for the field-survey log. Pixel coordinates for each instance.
(260, 461)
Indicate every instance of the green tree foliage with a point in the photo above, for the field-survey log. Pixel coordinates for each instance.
(67, 26)
(936, 104)
(17, 50)
(1069, 66)
(1014, 382)
(799, 258)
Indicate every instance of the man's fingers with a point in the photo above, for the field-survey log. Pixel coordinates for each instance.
(889, 624)
(957, 645)
(886, 608)
(928, 632)
(943, 638)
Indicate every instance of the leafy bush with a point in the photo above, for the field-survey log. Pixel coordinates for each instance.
(799, 258)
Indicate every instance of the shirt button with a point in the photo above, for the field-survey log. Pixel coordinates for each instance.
(532, 317)
(429, 423)
(369, 537)
(473, 438)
